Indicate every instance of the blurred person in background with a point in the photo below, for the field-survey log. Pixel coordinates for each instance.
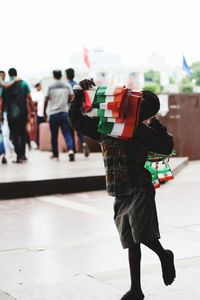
(2, 146)
(8, 146)
(17, 98)
(38, 98)
(59, 93)
(70, 74)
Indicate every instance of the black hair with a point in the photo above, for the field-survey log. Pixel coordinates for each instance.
(149, 106)
(2, 72)
(57, 74)
(70, 73)
(37, 84)
(12, 72)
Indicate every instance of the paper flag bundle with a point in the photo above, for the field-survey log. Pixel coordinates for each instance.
(158, 165)
(118, 109)
(154, 174)
(164, 172)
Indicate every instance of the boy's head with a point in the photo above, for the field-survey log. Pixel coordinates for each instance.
(70, 73)
(12, 72)
(57, 74)
(149, 106)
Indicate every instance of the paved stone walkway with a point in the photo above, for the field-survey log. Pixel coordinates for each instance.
(66, 247)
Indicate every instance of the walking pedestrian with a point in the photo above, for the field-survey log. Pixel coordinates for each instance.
(8, 146)
(70, 74)
(38, 98)
(2, 146)
(15, 99)
(59, 94)
(130, 183)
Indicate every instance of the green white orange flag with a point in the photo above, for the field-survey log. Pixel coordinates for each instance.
(125, 129)
(109, 100)
(118, 110)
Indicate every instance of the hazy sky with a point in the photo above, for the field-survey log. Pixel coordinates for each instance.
(39, 35)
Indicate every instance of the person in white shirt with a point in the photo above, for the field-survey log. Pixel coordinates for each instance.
(59, 94)
(38, 97)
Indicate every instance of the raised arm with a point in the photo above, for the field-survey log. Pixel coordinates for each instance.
(82, 123)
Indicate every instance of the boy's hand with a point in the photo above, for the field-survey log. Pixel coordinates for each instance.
(86, 84)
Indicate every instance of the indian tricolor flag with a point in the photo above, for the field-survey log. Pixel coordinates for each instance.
(109, 100)
(127, 126)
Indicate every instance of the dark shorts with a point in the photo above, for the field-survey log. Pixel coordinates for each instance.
(136, 219)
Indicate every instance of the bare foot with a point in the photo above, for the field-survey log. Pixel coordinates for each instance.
(131, 295)
(168, 268)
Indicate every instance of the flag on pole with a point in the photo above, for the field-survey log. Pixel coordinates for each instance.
(86, 57)
(186, 68)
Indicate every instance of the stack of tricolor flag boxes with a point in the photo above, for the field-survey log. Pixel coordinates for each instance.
(118, 109)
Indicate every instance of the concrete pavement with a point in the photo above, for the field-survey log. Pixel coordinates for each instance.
(66, 247)
(42, 176)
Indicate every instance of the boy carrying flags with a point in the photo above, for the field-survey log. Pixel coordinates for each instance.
(129, 182)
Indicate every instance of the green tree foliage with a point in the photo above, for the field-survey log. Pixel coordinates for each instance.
(152, 86)
(196, 72)
(172, 80)
(152, 76)
(152, 81)
(186, 85)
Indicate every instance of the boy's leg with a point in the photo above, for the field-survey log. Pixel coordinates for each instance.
(166, 258)
(122, 223)
(135, 292)
(134, 255)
